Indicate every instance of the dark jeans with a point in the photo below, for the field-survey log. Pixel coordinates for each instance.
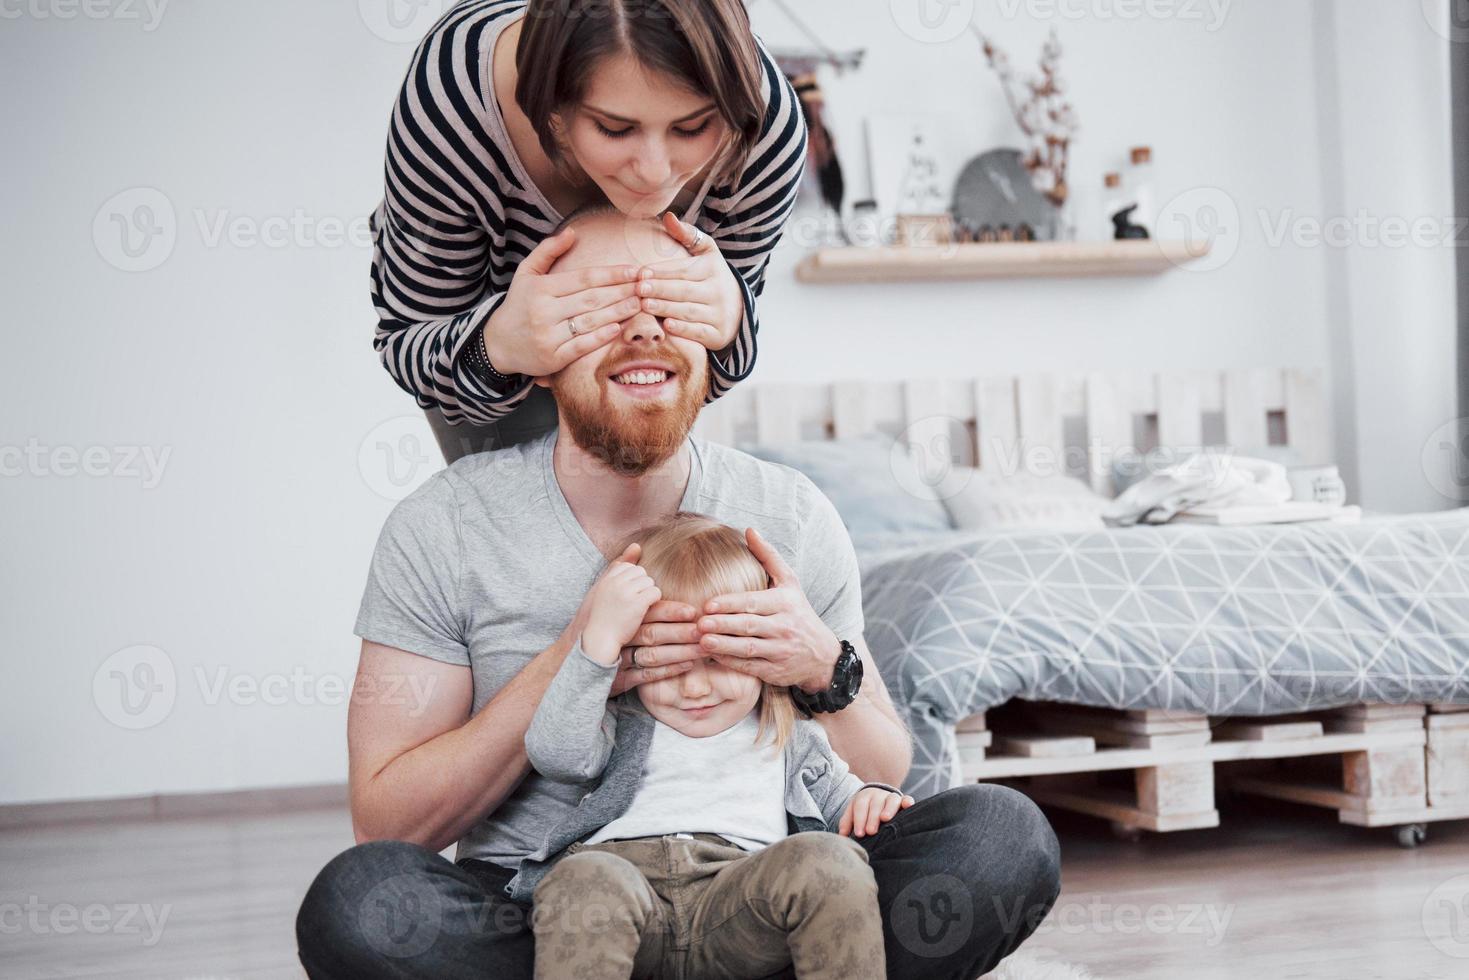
(963, 878)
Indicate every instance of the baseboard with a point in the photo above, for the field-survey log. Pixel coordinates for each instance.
(171, 806)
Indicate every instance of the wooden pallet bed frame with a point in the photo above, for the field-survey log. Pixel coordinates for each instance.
(1399, 765)
(991, 421)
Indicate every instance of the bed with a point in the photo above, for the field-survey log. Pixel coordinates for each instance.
(1197, 621)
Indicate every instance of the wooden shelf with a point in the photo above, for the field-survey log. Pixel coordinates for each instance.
(1010, 260)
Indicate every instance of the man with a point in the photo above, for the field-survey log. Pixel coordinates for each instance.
(474, 597)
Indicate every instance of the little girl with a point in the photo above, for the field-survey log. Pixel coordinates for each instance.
(687, 856)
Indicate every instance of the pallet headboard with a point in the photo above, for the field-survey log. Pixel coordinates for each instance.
(1082, 422)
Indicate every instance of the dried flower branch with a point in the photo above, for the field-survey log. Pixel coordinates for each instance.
(1046, 119)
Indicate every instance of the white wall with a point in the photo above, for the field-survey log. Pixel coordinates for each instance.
(251, 365)
(1391, 163)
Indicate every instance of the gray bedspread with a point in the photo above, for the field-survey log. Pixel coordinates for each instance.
(1241, 621)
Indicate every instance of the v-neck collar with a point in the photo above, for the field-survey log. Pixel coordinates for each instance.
(574, 531)
(494, 124)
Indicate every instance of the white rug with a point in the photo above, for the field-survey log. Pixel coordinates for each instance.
(1037, 964)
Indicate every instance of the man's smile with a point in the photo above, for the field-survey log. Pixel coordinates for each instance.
(645, 380)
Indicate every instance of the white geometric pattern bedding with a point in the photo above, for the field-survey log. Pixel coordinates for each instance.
(1242, 621)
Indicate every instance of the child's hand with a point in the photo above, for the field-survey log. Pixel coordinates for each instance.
(870, 808)
(616, 605)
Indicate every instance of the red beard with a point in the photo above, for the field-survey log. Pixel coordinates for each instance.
(633, 437)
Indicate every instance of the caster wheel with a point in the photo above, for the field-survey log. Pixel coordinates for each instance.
(1412, 834)
(1127, 832)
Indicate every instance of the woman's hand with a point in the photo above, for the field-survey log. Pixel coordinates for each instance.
(773, 634)
(549, 319)
(870, 808)
(696, 297)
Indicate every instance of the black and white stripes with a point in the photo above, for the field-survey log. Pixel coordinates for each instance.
(459, 215)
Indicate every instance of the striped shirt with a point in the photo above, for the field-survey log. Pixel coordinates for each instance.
(460, 213)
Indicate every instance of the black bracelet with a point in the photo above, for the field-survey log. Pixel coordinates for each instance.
(479, 360)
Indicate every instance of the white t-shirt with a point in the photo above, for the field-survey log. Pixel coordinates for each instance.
(724, 784)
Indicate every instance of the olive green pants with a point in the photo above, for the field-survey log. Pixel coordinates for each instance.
(698, 906)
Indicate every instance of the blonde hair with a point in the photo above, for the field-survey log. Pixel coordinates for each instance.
(693, 558)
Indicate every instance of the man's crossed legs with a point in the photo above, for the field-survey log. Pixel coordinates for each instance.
(963, 878)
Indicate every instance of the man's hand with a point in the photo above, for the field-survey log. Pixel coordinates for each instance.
(870, 808)
(615, 605)
(666, 645)
(773, 634)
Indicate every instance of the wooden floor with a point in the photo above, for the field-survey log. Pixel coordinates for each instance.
(1278, 891)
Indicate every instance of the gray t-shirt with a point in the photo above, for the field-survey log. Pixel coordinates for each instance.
(485, 565)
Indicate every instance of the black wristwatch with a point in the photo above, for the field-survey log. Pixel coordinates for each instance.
(846, 681)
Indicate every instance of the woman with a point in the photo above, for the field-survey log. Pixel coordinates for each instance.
(513, 115)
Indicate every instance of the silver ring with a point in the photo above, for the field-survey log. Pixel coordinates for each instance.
(699, 237)
(571, 325)
(635, 656)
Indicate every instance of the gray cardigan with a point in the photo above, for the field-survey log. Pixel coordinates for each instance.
(577, 735)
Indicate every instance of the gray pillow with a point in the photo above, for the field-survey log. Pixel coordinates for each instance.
(876, 488)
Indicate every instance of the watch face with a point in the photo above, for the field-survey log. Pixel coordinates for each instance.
(849, 675)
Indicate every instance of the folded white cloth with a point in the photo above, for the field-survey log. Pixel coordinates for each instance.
(1205, 483)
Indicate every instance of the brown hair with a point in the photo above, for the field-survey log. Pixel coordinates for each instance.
(704, 45)
(693, 558)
